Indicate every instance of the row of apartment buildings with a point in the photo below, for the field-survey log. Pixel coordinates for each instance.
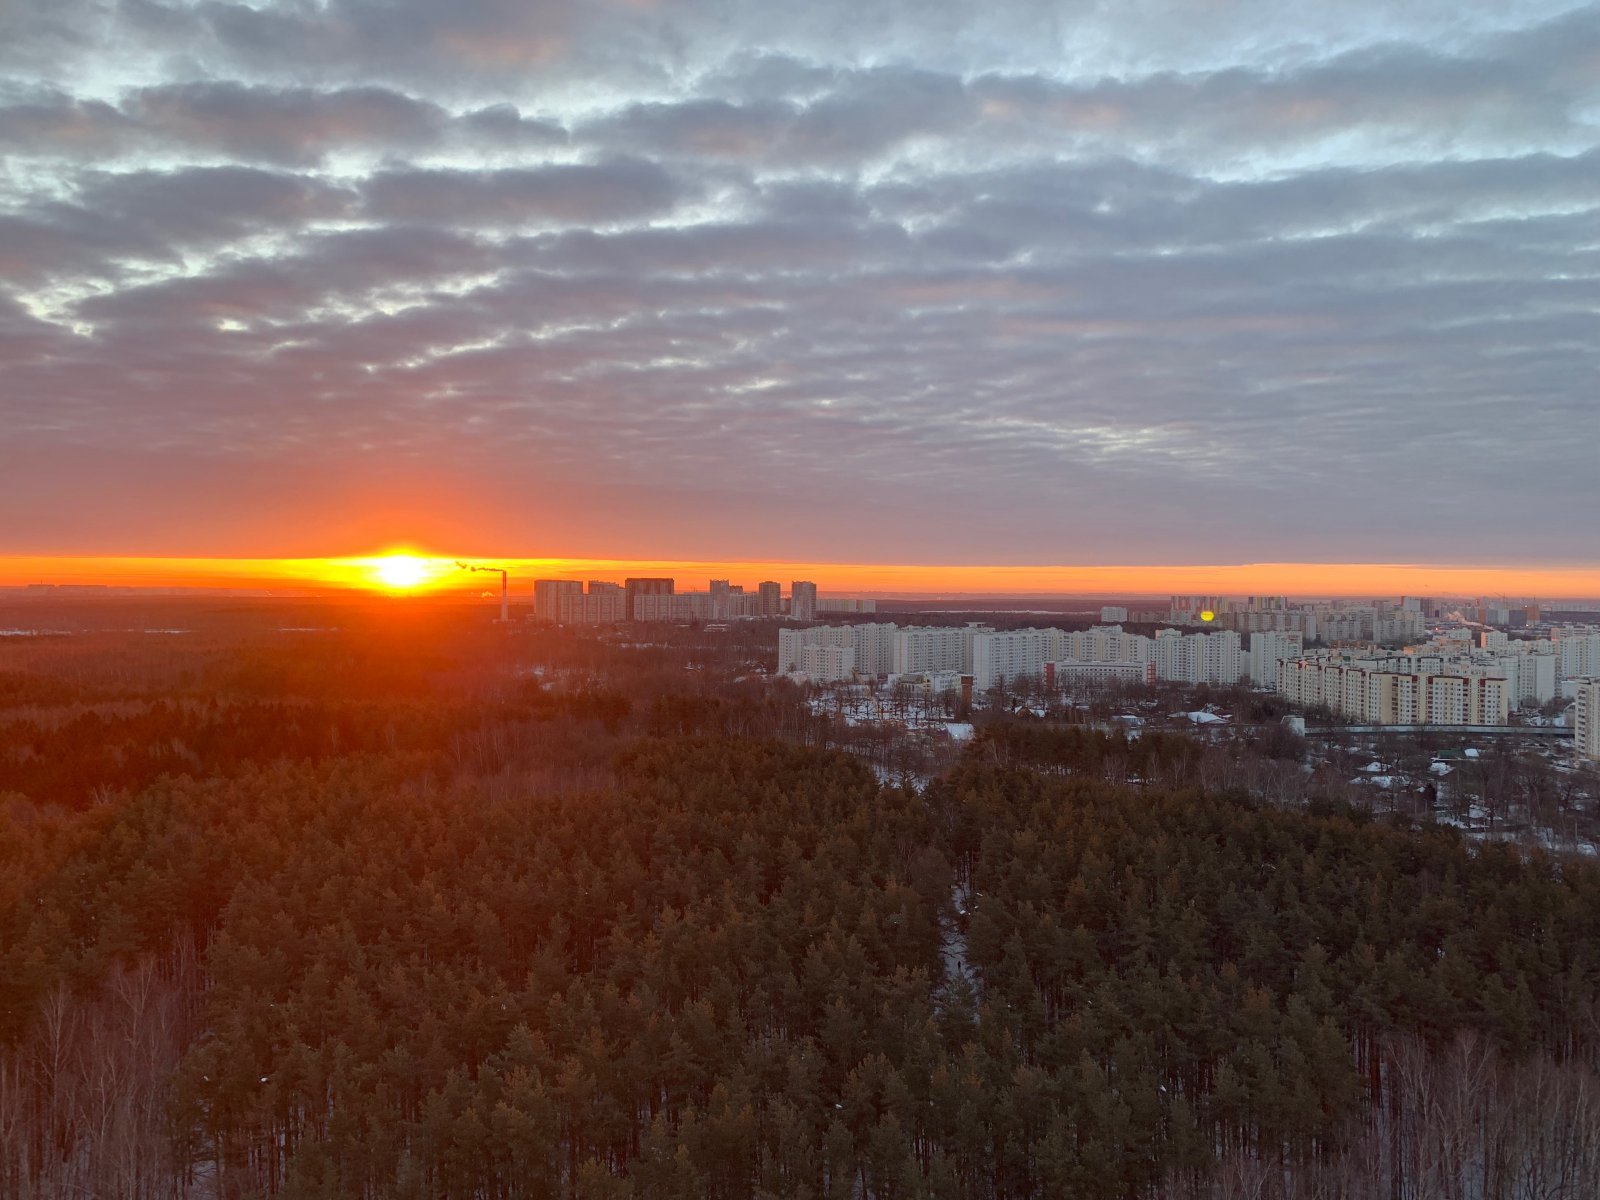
(1398, 692)
(1378, 622)
(1102, 655)
(1446, 681)
(1388, 688)
(572, 602)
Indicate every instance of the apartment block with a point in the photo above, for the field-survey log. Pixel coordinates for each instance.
(1269, 648)
(827, 663)
(633, 588)
(1005, 656)
(803, 600)
(872, 646)
(1399, 690)
(836, 605)
(920, 650)
(568, 602)
(1586, 721)
(1071, 676)
(769, 597)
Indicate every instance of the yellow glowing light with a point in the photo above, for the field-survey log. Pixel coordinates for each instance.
(1208, 615)
(400, 571)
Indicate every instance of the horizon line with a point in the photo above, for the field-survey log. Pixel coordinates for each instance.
(356, 572)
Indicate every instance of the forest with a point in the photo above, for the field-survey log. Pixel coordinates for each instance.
(410, 908)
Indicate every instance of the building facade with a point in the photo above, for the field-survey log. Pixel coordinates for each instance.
(568, 602)
(769, 597)
(1586, 721)
(803, 600)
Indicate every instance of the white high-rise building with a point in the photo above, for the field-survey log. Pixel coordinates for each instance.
(1530, 674)
(769, 595)
(1586, 721)
(548, 594)
(827, 664)
(1268, 650)
(1400, 689)
(919, 650)
(1198, 657)
(1106, 643)
(803, 600)
(566, 602)
(673, 606)
(873, 646)
(1397, 625)
(1005, 656)
(792, 641)
(1113, 614)
(1221, 657)
(1578, 649)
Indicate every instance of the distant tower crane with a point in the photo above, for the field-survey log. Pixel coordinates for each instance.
(505, 586)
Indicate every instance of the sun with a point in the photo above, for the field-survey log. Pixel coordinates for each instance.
(400, 571)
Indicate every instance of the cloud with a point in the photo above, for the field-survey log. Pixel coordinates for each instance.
(1534, 87)
(52, 122)
(1019, 282)
(290, 125)
(566, 193)
(866, 114)
(201, 204)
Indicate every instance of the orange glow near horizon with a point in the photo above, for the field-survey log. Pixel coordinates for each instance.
(406, 570)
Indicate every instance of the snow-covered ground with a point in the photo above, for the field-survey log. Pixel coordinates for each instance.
(953, 942)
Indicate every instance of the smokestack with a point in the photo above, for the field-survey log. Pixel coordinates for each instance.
(505, 586)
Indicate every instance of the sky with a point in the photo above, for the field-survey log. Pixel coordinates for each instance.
(934, 283)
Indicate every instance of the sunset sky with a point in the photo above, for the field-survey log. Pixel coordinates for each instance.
(954, 286)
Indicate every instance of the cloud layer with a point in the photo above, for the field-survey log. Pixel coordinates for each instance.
(1166, 281)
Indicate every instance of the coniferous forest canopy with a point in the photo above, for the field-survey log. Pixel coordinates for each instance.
(381, 901)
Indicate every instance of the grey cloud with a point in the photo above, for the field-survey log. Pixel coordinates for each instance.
(241, 292)
(24, 337)
(558, 193)
(397, 37)
(878, 109)
(505, 126)
(114, 219)
(59, 124)
(34, 29)
(211, 203)
(291, 125)
(699, 128)
(1532, 86)
(751, 248)
(376, 256)
(865, 114)
(57, 240)
(758, 76)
